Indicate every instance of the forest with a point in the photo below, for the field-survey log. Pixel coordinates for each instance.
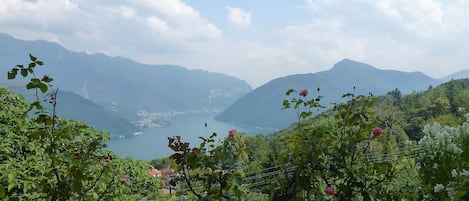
(392, 147)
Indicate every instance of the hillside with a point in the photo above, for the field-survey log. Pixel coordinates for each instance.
(111, 90)
(458, 75)
(445, 104)
(262, 107)
(72, 106)
(124, 82)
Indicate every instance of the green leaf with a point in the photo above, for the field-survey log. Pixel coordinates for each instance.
(24, 72)
(286, 104)
(43, 87)
(289, 92)
(222, 157)
(31, 85)
(12, 73)
(39, 63)
(37, 105)
(47, 79)
(32, 65)
(305, 115)
(33, 58)
(2, 191)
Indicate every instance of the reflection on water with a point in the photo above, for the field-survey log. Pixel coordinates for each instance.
(153, 143)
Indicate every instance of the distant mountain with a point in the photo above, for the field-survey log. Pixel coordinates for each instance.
(262, 107)
(458, 75)
(124, 82)
(113, 89)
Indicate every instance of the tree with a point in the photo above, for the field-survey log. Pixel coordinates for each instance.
(462, 99)
(46, 158)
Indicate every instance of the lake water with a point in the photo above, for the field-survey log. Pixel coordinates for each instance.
(153, 143)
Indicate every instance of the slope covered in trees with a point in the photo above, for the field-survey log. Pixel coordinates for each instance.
(358, 150)
(445, 104)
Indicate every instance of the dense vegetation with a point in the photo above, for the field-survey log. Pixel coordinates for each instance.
(43, 157)
(392, 147)
(367, 148)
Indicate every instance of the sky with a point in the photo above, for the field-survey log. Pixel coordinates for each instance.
(254, 40)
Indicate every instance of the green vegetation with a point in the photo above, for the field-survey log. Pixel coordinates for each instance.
(392, 147)
(43, 157)
(359, 150)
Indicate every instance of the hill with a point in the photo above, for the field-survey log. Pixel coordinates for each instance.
(124, 82)
(113, 89)
(262, 107)
(458, 75)
(73, 106)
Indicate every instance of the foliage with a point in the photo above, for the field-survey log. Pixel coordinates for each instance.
(43, 157)
(333, 152)
(163, 163)
(211, 171)
(445, 104)
(359, 150)
(443, 162)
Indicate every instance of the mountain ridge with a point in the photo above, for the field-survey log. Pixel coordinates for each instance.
(263, 105)
(123, 83)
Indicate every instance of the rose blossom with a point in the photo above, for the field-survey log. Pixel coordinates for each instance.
(232, 133)
(304, 92)
(329, 191)
(377, 131)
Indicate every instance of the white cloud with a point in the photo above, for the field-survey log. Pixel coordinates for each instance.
(238, 17)
(127, 28)
(425, 35)
(158, 24)
(418, 35)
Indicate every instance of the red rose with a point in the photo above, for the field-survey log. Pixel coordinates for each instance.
(232, 133)
(329, 191)
(304, 92)
(377, 131)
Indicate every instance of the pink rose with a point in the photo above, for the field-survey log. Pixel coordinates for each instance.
(329, 191)
(304, 92)
(377, 131)
(231, 133)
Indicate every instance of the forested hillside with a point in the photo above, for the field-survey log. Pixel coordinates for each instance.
(396, 147)
(261, 107)
(446, 104)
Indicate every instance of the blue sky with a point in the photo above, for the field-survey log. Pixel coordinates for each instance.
(254, 40)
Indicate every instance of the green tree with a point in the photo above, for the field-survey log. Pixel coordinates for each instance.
(462, 99)
(46, 158)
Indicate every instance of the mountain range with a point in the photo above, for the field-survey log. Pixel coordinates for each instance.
(108, 92)
(120, 83)
(263, 106)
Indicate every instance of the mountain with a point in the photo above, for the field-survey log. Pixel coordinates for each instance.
(112, 90)
(125, 83)
(262, 107)
(73, 106)
(458, 75)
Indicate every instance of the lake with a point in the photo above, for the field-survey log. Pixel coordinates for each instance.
(153, 143)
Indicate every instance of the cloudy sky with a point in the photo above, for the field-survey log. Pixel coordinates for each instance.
(254, 40)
